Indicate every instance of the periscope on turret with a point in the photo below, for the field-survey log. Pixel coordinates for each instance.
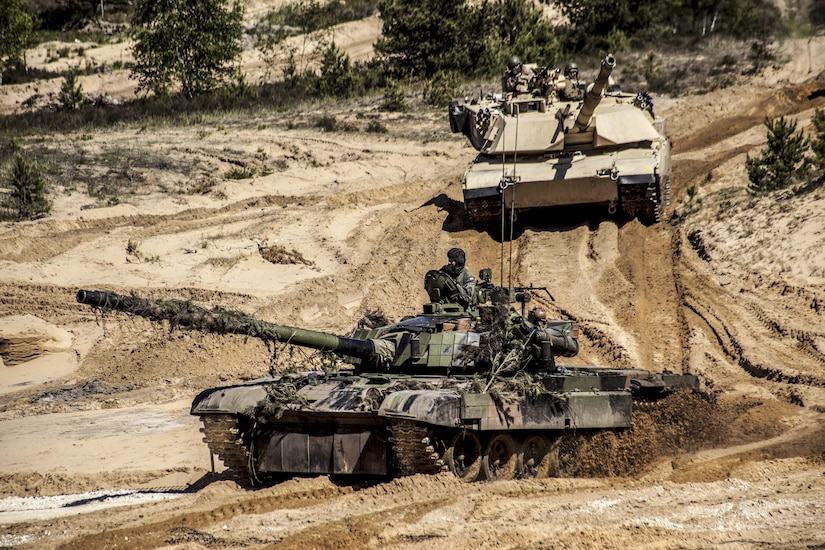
(469, 388)
(537, 150)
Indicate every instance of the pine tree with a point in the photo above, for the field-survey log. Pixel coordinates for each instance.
(781, 161)
(71, 93)
(28, 190)
(338, 79)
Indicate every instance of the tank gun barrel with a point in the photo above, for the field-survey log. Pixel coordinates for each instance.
(594, 96)
(187, 315)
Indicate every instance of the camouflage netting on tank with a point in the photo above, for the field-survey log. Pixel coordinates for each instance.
(505, 349)
(281, 395)
(373, 318)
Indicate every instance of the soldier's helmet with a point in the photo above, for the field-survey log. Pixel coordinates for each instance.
(513, 63)
(457, 255)
(571, 68)
(537, 316)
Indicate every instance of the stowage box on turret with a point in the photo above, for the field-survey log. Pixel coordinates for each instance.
(473, 389)
(539, 148)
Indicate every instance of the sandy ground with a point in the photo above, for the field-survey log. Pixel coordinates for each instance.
(91, 409)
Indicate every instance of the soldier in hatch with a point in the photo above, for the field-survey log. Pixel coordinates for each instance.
(517, 77)
(463, 276)
(571, 90)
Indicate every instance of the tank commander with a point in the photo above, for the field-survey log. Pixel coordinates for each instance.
(463, 276)
(517, 77)
(569, 88)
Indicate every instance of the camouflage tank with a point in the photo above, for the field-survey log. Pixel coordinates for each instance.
(472, 388)
(538, 149)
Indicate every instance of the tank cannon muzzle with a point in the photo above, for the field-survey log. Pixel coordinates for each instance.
(221, 321)
(594, 95)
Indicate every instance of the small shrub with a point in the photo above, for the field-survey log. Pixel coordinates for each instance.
(689, 205)
(818, 139)
(133, 248)
(618, 41)
(781, 162)
(327, 123)
(70, 96)
(441, 89)
(395, 100)
(28, 191)
(240, 173)
(376, 127)
(348, 126)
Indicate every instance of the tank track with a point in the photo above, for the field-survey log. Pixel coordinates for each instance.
(224, 436)
(415, 448)
(643, 203)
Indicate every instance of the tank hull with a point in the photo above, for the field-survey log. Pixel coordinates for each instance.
(632, 181)
(345, 425)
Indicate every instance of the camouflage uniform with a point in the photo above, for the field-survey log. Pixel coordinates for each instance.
(463, 276)
(571, 90)
(517, 77)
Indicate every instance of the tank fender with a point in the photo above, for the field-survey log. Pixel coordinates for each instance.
(439, 407)
(230, 399)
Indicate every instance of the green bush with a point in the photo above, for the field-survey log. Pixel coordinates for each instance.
(781, 162)
(193, 45)
(70, 96)
(16, 27)
(395, 99)
(441, 89)
(239, 173)
(28, 191)
(337, 76)
(421, 39)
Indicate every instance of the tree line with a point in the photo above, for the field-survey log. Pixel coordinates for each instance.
(195, 47)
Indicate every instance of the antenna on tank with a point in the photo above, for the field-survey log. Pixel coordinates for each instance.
(505, 182)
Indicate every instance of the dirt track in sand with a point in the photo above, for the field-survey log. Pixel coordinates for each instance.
(733, 294)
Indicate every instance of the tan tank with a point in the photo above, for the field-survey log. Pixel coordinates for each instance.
(538, 148)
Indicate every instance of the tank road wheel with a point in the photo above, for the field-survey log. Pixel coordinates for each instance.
(463, 456)
(500, 458)
(537, 457)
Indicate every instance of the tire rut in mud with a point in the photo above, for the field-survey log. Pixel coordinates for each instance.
(161, 532)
